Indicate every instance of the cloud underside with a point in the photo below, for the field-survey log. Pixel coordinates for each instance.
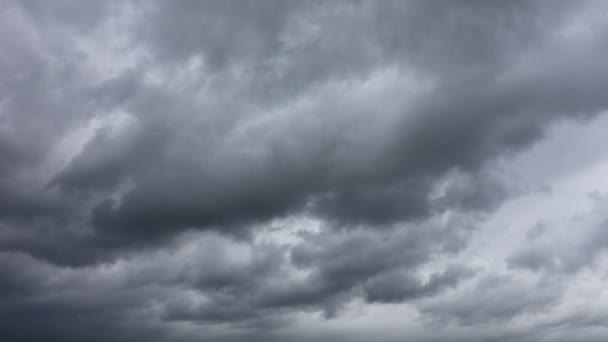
(237, 171)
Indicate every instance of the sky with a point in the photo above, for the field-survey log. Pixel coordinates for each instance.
(303, 171)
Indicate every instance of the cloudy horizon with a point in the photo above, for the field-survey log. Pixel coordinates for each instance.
(303, 171)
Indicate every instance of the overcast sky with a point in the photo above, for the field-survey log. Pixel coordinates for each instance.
(231, 171)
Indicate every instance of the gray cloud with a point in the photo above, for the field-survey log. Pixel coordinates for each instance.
(256, 169)
(556, 252)
(496, 298)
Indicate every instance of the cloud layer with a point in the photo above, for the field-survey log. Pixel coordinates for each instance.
(350, 170)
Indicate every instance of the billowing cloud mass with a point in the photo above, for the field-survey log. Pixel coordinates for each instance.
(303, 171)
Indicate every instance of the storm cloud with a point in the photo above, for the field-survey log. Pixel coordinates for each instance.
(303, 171)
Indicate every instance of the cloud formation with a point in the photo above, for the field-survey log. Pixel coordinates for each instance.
(271, 170)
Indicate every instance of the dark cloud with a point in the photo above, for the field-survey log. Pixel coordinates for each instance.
(238, 168)
(398, 287)
(454, 126)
